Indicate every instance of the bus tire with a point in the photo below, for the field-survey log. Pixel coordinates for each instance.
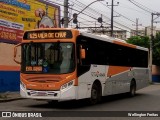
(132, 89)
(95, 94)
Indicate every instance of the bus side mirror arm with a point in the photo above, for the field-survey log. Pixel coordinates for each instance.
(15, 53)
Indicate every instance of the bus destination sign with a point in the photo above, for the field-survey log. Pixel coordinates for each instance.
(47, 34)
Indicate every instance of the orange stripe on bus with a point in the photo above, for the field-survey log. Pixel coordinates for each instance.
(124, 44)
(9, 68)
(113, 70)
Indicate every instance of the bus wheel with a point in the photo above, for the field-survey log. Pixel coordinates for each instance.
(95, 94)
(132, 89)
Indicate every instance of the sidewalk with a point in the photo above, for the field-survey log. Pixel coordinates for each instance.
(10, 96)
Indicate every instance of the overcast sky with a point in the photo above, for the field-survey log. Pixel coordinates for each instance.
(127, 12)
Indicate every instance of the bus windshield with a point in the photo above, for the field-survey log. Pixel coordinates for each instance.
(56, 58)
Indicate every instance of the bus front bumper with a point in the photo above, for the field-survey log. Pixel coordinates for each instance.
(62, 95)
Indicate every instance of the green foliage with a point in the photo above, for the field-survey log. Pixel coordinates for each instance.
(156, 50)
(143, 41)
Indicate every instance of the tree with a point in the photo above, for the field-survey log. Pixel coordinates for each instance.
(156, 50)
(143, 41)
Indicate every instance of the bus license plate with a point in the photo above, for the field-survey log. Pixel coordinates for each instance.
(41, 94)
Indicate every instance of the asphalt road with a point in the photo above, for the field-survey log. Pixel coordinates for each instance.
(146, 99)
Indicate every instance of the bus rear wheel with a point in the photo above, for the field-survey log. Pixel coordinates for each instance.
(132, 89)
(95, 94)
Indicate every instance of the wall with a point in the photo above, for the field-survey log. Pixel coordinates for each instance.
(156, 73)
(9, 70)
(9, 81)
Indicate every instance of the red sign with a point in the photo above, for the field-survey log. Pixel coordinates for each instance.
(10, 34)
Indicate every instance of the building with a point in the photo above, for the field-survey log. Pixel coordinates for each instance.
(121, 34)
(145, 32)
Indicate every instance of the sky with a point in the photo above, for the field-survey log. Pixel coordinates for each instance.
(125, 12)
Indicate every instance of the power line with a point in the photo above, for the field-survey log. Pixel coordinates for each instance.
(118, 13)
(122, 15)
(94, 10)
(91, 16)
(131, 8)
(120, 25)
(89, 10)
(144, 6)
(94, 17)
(141, 6)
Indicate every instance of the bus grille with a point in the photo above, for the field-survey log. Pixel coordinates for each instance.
(41, 79)
(42, 93)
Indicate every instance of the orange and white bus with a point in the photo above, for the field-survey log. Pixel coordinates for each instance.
(65, 64)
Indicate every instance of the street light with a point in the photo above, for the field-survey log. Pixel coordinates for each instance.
(85, 8)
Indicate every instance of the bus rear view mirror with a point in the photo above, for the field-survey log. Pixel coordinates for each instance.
(83, 53)
(15, 54)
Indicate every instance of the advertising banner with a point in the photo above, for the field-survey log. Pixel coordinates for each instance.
(16, 16)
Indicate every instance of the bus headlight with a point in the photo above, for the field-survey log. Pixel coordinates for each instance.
(23, 85)
(67, 85)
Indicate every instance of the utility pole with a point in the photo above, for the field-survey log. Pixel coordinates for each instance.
(112, 10)
(95, 26)
(152, 38)
(112, 18)
(137, 24)
(151, 41)
(65, 13)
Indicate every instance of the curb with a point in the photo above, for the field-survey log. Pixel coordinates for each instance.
(11, 99)
(10, 96)
(155, 83)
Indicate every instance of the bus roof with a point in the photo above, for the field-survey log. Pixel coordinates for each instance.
(99, 37)
(112, 40)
